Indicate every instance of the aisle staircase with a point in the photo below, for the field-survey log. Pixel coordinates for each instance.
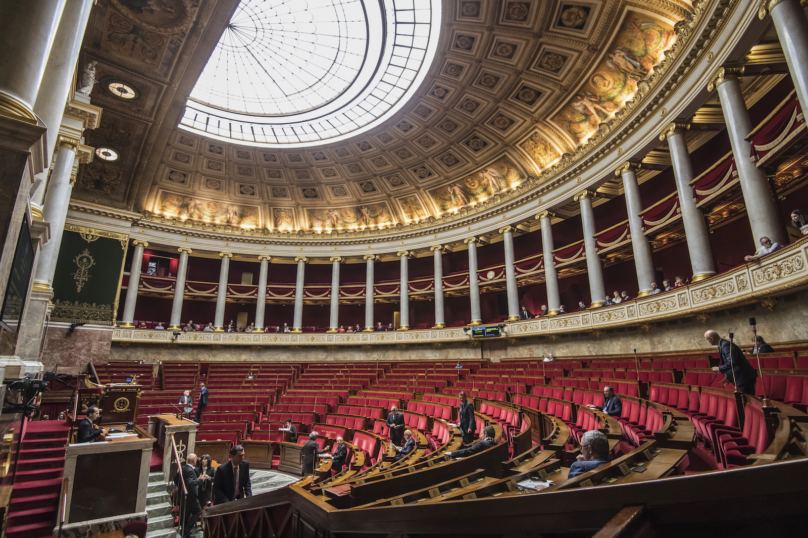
(158, 508)
(35, 497)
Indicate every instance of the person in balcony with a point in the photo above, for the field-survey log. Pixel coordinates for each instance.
(678, 282)
(208, 328)
(357, 328)
(612, 405)
(390, 327)
(189, 327)
(594, 453)
(379, 326)
(617, 298)
(799, 222)
(561, 309)
(341, 329)
(159, 326)
(766, 247)
(581, 306)
(666, 285)
(608, 301)
(543, 310)
(250, 328)
(485, 442)
(624, 296)
(142, 325)
(409, 445)
(349, 329)
(655, 289)
(525, 313)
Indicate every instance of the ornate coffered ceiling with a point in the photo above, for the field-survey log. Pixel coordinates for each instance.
(515, 85)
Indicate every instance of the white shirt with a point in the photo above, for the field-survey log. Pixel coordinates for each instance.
(764, 250)
(159, 328)
(654, 292)
(207, 329)
(617, 301)
(547, 359)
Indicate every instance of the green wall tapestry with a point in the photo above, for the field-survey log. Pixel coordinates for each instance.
(88, 275)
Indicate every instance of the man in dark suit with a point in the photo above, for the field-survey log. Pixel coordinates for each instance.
(594, 453)
(409, 445)
(734, 366)
(88, 433)
(465, 419)
(232, 479)
(525, 314)
(310, 449)
(292, 430)
(486, 442)
(339, 456)
(191, 506)
(203, 401)
(395, 421)
(612, 405)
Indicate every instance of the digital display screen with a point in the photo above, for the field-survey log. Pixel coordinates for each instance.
(478, 332)
(481, 332)
(492, 331)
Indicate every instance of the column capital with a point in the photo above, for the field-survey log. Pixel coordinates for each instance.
(766, 7)
(264, 257)
(441, 248)
(405, 254)
(475, 240)
(85, 154)
(302, 259)
(339, 259)
(585, 194)
(507, 229)
(545, 215)
(372, 257)
(68, 142)
(723, 74)
(627, 166)
(187, 250)
(225, 254)
(140, 243)
(673, 128)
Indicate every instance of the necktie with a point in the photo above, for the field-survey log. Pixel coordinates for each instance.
(235, 480)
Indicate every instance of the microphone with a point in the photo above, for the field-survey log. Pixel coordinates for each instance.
(752, 322)
(731, 335)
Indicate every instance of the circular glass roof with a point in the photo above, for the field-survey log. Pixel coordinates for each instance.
(302, 72)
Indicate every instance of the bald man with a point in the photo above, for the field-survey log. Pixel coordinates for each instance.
(192, 483)
(409, 445)
(734, 366)
(339, 456)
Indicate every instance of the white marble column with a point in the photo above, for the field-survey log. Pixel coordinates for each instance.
(593, 266)
(369, 292)
(134, 283)
(643, 262)
(297, 325)
(179, 289)
(510, 274)
(474, 283)
(27, 31)
(550, 275)
(792, 30)
(757, 195)
(55, 210)
(334, 321)
(404, 283)
(698, 239)
(261, 298)
(437, 252)
(58, 76)
(221, 296)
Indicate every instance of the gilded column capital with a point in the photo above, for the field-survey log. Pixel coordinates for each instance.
(187, 250)
(405, 254)
(627, 166)
(766, 7)
(140, 243)
(723, 74)
(372, 257)
(673, 128)
(16, 110)
(441, 248)
(339, 259)
(68, 142)
(263, 257)
(225, 254)
(302, 259)
(85, 154)
(507, 229)
(475, 240)
(544, 215)
(585, 194)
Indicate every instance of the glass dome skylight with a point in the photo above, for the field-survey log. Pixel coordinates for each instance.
(301, 72)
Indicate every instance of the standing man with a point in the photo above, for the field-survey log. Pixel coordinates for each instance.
(289, 427)
(466, 420)
(310, 449)
(88, 433)
(191, 500)
(203, 401)
(395, 421)
(232, 479)
(734, 366)
(525, 313)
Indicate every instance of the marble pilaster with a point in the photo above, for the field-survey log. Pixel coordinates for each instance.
(594, 268)
(334, 317)
(179, 289)
(134, 283)
(474, 284)
(297, 324)
(550, 274)
(221, 296)
(510, 274)
(640, 245)
(261, 298)
(405, 256)
(437, 252)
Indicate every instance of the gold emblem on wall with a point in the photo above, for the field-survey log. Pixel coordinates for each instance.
(84, 261)
(121, 405)
(89, 237)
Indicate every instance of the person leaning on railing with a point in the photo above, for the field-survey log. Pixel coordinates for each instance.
(486, 442)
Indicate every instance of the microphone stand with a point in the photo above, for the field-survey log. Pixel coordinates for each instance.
(637, 364)
(734, 382)
(766, 401)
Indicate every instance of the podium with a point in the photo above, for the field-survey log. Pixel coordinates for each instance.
(120, 403)
(161, 427)
(107, 479)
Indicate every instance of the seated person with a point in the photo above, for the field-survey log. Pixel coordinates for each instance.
(761, 346)
(341, 329)
(543, 310)
(678, 282)
(88, 433)
(208, 328)
(608, 301)
(594, 453)
(612, 405)
(250, 328)
(357, 329)
(561, 309)
(799, 221)
(525, 313)
(666, 285)
(483, 443)
(159, 326)
(142, 325)
(409, 445)
(339, 456)
(581, 306)
(390, 327)
(655, 289)
(379, 326)
(766, 247)
(189, 327)
(349, 329)
(624, 296)
(549, 358)
(617, 299)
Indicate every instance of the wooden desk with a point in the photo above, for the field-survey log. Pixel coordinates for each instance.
(109, 478)
(161, 427)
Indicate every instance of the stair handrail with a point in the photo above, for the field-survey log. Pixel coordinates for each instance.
(181, 519)
(63, 504)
